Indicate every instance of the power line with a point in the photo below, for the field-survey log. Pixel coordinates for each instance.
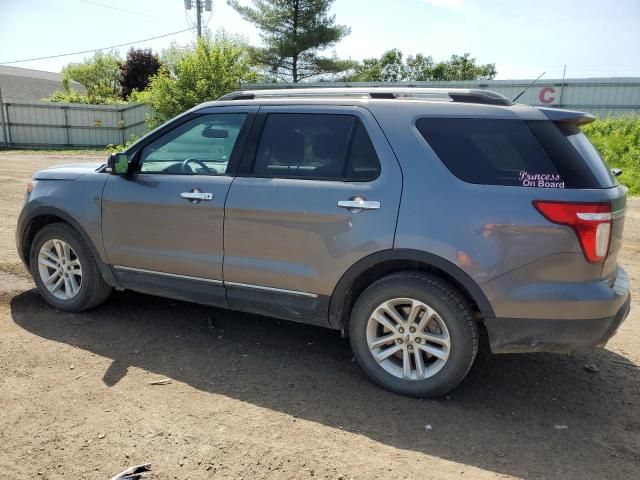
(104, 5)
(96, 49)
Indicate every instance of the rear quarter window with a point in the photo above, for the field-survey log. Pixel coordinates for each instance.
(577, 159)
(513, 152)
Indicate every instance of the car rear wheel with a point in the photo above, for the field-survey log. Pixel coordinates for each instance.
(414, 333)
(65, 270)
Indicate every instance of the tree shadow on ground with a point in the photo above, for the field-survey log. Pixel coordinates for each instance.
(502, 418)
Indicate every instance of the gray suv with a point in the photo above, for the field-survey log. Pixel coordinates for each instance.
(406, 218)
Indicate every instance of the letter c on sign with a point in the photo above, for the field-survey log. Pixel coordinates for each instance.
(547, 95)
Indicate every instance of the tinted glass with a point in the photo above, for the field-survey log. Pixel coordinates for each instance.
(577, 160)
(314, 146)
(202, 146)
(490, 151)
(362, 163)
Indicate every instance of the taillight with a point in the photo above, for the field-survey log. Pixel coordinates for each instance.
(590, 221)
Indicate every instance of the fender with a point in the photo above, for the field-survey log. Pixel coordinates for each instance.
(404, 254)
(24, 225)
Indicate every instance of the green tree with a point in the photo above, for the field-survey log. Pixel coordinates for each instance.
(294, 33)
(392, 67)
(100, 75)
(463, 67)
(388, 68)
(202, 72)
(139, 67)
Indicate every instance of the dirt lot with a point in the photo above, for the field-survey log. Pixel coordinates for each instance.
(254, 398)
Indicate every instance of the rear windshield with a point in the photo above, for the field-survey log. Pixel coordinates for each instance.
(515, 152)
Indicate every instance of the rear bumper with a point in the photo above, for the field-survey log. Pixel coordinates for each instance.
(515, 335)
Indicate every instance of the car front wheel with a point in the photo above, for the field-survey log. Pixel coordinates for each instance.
(65, 270)
(414, 333)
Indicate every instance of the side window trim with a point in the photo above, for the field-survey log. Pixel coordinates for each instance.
(247, 164)
(347, 153)
(236, 154)
(253, 138)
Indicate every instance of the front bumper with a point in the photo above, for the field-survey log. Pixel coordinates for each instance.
(20, 238)
(518, 335)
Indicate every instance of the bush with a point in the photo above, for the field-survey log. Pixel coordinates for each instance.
(201, 73)
(121, 148)
(136, 71)
(618, 141)
(72, 96)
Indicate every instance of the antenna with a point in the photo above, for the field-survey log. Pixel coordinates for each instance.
(528, 87)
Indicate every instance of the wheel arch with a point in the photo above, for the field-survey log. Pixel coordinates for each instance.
(43, 216)
(377, 265)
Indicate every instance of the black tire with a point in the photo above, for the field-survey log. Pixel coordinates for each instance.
(93, 289)
(453, 309)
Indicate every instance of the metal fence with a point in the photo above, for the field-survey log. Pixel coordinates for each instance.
(66, 125)
(601, 96)
(58, 125)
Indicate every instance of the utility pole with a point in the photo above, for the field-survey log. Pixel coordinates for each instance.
(199, 15)
(201, 5)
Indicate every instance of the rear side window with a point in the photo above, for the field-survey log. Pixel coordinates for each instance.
(489, 151)
(513, 152)
(362, 161)
(315, 146)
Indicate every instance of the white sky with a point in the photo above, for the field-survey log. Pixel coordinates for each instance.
(594, 38)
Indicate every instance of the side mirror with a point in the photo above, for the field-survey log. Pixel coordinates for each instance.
(118, 163)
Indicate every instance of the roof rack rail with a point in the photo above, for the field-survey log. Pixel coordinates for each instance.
(464, 95)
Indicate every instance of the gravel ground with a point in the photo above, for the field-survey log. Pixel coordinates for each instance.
(251, 397)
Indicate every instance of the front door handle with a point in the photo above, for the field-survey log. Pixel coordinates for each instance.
(195, 196)
(357, 204)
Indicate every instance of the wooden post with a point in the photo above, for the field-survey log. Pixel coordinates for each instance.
(5, 137)
(122, 126)
(66, 125)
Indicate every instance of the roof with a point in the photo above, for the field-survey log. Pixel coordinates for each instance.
(25, 84)
(412, 101)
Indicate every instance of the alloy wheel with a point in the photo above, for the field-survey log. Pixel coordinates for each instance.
(59, 268)
(408, 339)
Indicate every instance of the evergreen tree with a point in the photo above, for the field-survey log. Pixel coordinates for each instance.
(294, 33)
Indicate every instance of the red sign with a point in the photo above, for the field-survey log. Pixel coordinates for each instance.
(547, 95)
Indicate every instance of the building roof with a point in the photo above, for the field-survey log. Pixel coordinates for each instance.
(25, 84)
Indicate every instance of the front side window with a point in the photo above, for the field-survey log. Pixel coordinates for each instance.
(318, 146)
(201, 146)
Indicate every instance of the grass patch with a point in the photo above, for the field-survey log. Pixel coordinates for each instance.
(618, 141)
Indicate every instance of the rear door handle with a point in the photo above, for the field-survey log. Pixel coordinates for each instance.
(357, 204)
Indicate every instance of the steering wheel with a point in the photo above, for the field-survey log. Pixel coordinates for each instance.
(185, 168)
